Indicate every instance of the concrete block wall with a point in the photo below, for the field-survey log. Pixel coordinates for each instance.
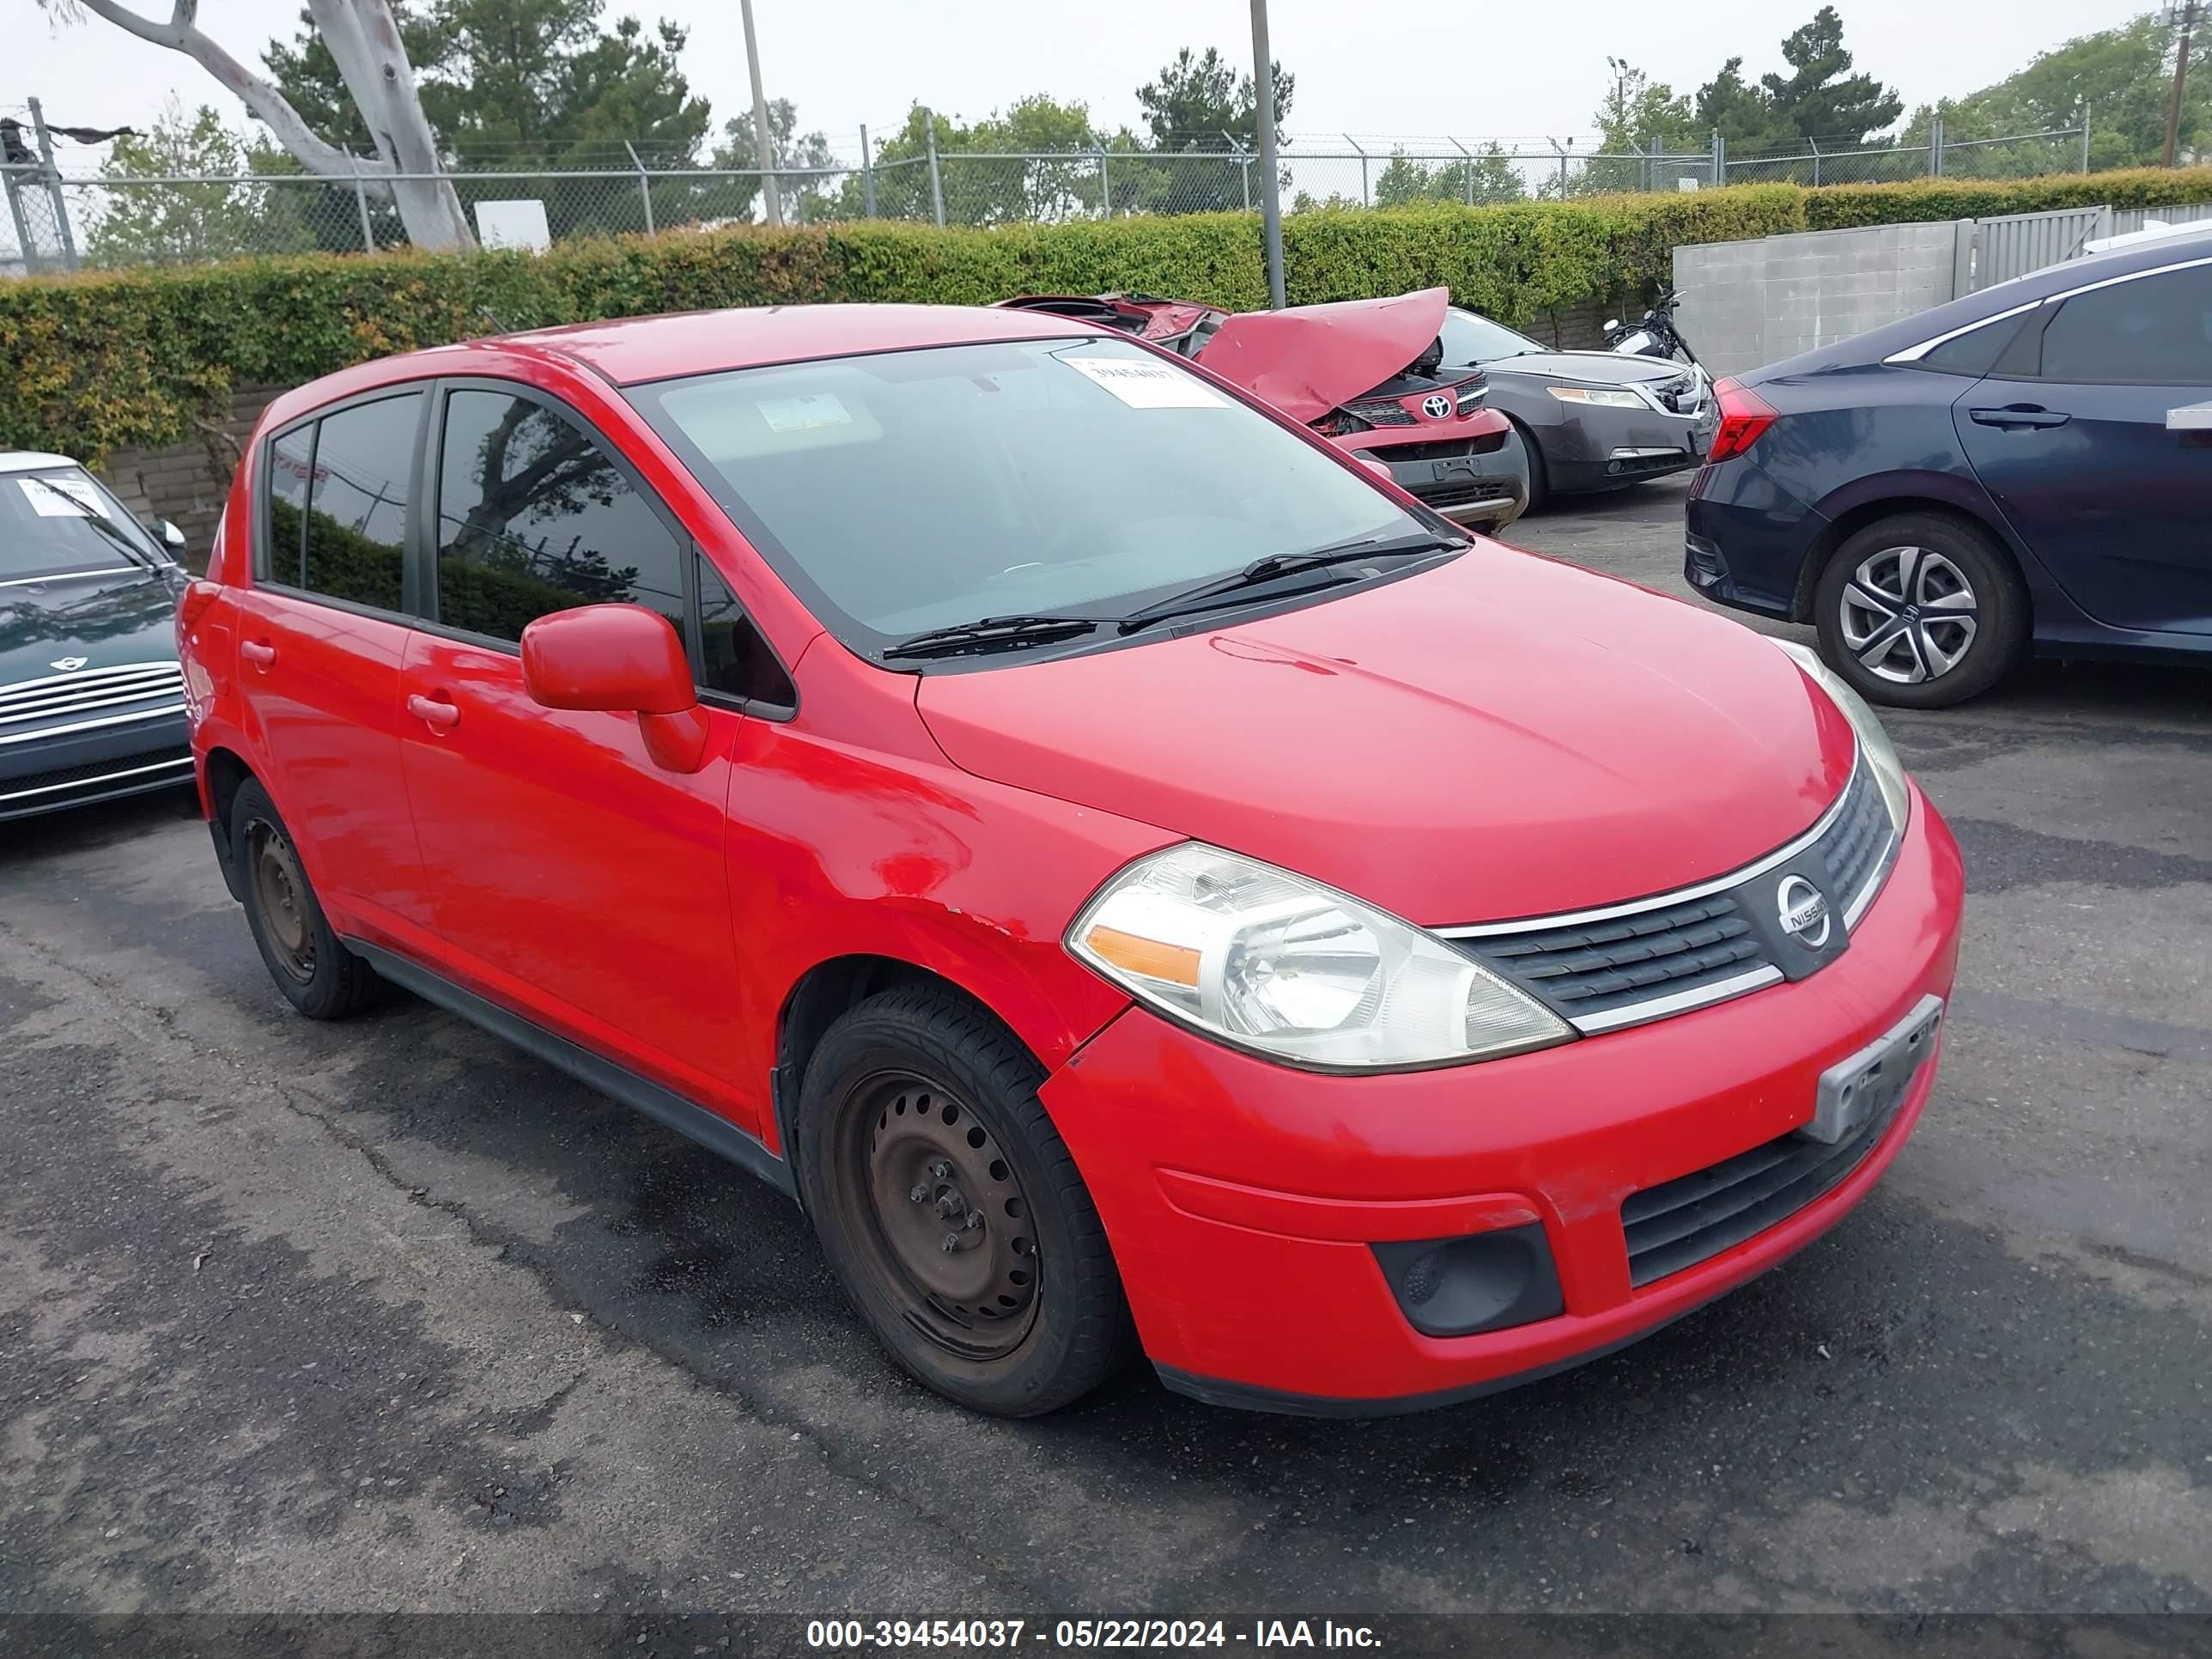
(1748, 303)
(186, 482)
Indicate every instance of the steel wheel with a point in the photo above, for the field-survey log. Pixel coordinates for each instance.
(948, 1235)
(1909, 614)
(281, 890)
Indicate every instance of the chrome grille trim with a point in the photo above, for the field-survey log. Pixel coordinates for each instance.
(53, 696)
(1781, 855)
(1551, 967)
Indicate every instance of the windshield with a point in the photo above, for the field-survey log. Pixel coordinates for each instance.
(57, 521)
(905, 491)
(1469, 337)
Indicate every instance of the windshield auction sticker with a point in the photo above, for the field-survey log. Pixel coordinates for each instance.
(1148, 385)
(805, 414)
(60, 498)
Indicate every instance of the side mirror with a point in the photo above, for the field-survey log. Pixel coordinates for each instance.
(620, 658)
(1610, 323)
(172, 538)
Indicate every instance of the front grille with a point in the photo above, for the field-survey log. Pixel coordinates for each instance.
(1627, 963)
(1601, 967)
(26, 790)
(1856, 844)
(1383, 412)
(1699, 1215)
(87, 693)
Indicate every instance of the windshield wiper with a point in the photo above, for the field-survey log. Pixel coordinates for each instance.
(993, 633)
(1272, 565)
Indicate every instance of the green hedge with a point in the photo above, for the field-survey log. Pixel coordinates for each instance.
(99, 362)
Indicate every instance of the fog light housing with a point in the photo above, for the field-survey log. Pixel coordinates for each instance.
(1481, 1282)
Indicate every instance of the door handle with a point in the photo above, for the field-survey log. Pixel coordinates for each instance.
(438, 716)
(2019, 414)
(256, 653)
(2197, 417)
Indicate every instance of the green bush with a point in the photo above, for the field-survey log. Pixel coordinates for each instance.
(103, 361)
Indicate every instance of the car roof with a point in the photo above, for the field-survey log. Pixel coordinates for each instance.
(628, 350)
(1984, 304)
(26, 460)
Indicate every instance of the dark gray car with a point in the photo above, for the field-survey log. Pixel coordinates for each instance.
(1588, 420)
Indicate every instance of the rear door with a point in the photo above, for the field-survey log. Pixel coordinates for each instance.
(2070, 436)
(322, 632)
(577, 882)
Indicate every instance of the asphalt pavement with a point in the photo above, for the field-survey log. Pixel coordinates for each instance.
(384, 1314)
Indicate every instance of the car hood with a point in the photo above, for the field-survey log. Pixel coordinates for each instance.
(1589, 368)
(123, 617)
(1309, 359)
(1500, 737)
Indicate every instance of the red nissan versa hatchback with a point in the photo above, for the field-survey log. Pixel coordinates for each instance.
(1134, 875)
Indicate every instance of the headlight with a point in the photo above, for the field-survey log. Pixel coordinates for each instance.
(1267, 961)
(1888, 770)
(1586, 394)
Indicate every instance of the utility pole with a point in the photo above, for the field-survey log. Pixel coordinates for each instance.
(763, 141)
(2180, 79)
(1271, 194)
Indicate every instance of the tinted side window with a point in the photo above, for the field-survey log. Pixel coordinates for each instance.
(533, 518)
(2155, 330)
(1977, 350)
(356, 533)
(738, 660)
(291, 463)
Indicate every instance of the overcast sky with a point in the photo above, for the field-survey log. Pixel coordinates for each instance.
(1385, 67)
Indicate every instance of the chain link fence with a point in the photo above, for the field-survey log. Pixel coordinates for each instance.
(56, 222)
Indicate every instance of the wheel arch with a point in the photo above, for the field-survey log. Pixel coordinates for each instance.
(224, 773)
(1848, 522)
(830, 988)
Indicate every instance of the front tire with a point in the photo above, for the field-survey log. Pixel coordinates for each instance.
(1921, 610)
(1539, 482)
(316, 973)
(950, 1209)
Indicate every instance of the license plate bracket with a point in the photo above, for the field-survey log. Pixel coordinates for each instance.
(1869, 1084)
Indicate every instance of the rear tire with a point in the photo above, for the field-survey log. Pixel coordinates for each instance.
(950, 1209)
(316, 973)
(1921, 610)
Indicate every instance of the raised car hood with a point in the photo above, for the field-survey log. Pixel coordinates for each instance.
(1501, 737)
(1309, 359)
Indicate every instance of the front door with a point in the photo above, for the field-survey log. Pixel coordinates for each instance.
(322, 637)
(576, 881)
(2071, 437)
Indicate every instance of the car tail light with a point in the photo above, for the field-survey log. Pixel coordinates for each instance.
(1745, 416)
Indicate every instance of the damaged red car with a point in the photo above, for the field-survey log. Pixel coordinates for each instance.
(1367, 374)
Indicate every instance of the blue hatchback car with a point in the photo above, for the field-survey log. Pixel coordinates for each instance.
(2031, 465)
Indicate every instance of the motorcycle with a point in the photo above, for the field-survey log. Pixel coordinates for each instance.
(1656, 335)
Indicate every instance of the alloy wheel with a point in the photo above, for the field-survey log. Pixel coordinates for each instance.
(1909, 614)
(949, 1233)
(281, 890)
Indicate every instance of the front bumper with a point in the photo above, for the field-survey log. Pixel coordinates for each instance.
(46, 775)
(1464, 469)
(1593, 447)
(1244, 1198)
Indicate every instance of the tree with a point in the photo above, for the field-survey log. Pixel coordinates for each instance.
(1638, 117)
(1739, 111)
(512, 86)
(1197, 106)
(1822, 99)
(366, 48)
(1056, 178)
(805, 198)
(2123, 76)
(1490, 177)
(181, 224)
